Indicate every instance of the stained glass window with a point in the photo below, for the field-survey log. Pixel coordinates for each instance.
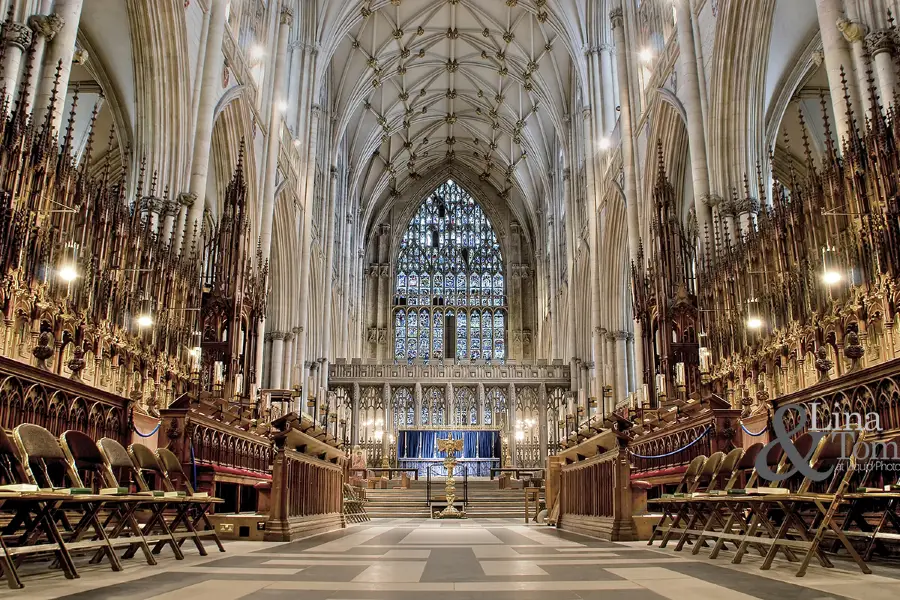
(450, 256)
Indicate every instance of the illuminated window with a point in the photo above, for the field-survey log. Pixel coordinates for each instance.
(450, 285)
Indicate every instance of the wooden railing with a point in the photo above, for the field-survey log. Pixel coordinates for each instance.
(595, 488)
(307, 483)
(307, 495)
(32, 395)
(677, 444)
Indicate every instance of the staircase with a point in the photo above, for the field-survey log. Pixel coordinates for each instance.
(486, 500)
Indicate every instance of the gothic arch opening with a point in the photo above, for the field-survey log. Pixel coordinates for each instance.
(450, 286)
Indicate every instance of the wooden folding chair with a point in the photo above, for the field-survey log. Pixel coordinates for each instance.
(804, 532)
(703, 508)
(881, 507)
(705, 477)
(176, 480)
(354, 509)
(743, 524)
(720, 518)
(46, 465)
(121, 471)
(670, 503)
(86, 458)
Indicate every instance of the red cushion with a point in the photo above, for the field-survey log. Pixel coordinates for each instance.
(234, 471)
(659, 473)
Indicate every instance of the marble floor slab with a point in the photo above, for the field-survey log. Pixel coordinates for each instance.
(489, 559)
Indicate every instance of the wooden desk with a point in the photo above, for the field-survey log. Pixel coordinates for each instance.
(532, 493)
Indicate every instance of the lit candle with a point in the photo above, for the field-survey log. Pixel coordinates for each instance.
(660, 384)
(679, 374)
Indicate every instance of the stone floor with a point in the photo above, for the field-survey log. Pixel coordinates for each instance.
(496, 559)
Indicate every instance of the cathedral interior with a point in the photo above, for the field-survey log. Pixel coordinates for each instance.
(519, 299)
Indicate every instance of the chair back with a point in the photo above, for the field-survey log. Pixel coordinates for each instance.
(690, 474)
(173, 470)
(84, 456)
(43, 458)
(147, 463)
(120, 468)
(10, 467)
(748, 463)
(728, 472)
(707, 474)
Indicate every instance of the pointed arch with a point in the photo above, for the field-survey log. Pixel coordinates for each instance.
(450, 282)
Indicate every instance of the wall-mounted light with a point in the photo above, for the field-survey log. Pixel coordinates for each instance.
(830, 273)
(68, 270)
(646, 55)
(754, 319)
(144, 315)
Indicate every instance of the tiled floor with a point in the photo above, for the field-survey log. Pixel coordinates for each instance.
(494, 559)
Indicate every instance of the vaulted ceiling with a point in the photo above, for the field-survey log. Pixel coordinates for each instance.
(485, 84)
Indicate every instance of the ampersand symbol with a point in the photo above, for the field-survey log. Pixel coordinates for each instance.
(798, 461)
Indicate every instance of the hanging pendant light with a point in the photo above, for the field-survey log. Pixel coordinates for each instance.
(754, 319)
(145, 315)
(831, 275)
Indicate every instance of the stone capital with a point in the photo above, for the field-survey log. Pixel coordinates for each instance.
(18, 34)
(187, 198)
(277, 335)
(46, 25)
(588, 365)
(711, 200)
(287, 16)
(621, 336)
(881, 40)
(288, 337)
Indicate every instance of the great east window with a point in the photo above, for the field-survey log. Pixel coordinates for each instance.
(450, 295)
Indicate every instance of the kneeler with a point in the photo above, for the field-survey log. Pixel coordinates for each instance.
(669, 503)
(811, 529)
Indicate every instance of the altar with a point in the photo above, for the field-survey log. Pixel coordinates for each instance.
(417, 449)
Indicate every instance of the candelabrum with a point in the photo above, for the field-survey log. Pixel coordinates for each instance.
(451, 447)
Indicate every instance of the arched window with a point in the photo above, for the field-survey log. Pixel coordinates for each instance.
(450, 295)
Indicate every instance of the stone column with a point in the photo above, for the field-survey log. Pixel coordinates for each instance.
(625, 121)
(209, 96)
(277, 362)
(621, 341)
(267, 360)
(837, 56)
(417, 394)
(354, 415)
(542, 421)
(385, 439)
(58, 57)
(570, 270)
(632, 382)
(17, 38)
(44, 28)
(279, 85)
(511, 422)
(690, 97)
(882, 46)
(449, 402)
(632, 197)
(328, 283)
(306, 242)
(586, 388)
(309, 387)
(608, 104)
(480, 398)
(287, 363)
(611, 365)
(855, 34)
(295, 367)
(593, 231)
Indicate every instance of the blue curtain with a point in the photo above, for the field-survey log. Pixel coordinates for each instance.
(423, 444)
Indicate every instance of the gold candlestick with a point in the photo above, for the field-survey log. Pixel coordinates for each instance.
(451, 447)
